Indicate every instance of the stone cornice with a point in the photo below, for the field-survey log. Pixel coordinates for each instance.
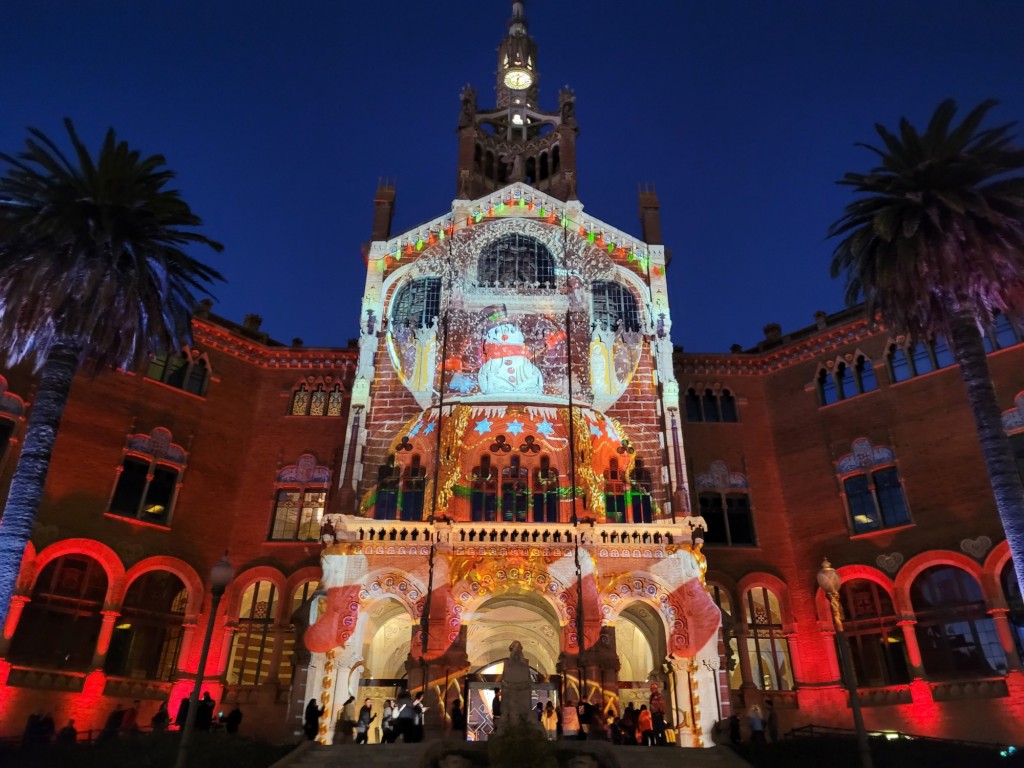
(823, 343)
(210, 335)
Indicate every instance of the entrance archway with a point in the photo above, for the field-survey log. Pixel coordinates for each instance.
(498, 622)
(524, 617)
(641, 646)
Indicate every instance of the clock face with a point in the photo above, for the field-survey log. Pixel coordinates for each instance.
(518, 79)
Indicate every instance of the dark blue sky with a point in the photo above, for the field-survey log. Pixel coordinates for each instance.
(280, 117)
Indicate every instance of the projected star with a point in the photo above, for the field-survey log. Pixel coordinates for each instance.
(483, 426)
(515, 427)
(545, 428)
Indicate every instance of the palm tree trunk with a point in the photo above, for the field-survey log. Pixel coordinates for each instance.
(1007, 488)
(29, 480)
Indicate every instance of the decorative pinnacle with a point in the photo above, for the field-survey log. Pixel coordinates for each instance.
(517, 24)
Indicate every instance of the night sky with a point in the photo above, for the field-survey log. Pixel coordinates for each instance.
(280, 117)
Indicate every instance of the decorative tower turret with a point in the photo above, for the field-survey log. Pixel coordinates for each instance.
(517, 141)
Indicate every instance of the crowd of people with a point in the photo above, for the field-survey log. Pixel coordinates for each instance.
(124, 722)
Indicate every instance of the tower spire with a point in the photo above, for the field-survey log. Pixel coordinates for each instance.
(517, 63)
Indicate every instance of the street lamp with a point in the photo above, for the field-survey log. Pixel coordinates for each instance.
(830, 581)
(220, 576)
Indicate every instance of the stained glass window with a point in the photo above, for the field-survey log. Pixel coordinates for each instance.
(318, 402)
(300, 401)
(334, 402)
(516, 261)
(297, 514)
(767, 647)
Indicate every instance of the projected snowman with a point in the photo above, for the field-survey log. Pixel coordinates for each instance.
(507, 366)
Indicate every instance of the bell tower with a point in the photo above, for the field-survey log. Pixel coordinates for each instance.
(516, 140)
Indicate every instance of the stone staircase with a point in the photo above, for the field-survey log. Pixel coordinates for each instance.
(310, 755)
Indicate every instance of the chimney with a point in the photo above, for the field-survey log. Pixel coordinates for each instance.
(772, 332)
(820, 320)
(296, 342)
(383, 209)
(736, 349)
(650, 216)
(252, 323)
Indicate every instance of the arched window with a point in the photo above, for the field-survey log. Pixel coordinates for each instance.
(147, 636)
(1015, 603)
(417, 303)
(876, 642)
(614, 306)
(389, 476)
(188, 370)
(515, 492)
(714, 405)
(767, 647)
(293, 656)
(956, 635)
(724, 500)
(413, 486)
(693, 410)
(516, 261)
(730, 661)
(148, 478)
(865, 375)
(252, 646)
(875, 500)
(640, 492)
(483, 497)
(545, 492)
(615, 492)
(827, 392)
(324, 399)
(61, 623)
(300, 500)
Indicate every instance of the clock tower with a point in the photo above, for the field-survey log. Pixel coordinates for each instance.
(516, 140)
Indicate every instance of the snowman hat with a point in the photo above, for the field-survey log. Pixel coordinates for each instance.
(495, 314)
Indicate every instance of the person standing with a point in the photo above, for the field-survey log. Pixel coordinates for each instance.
(458, 718)
(233, 720)
(113, 724)
(182, 715)
(311, 719)
(161, 719)
(772, 721)
(387, 722)
(549, 719)
(756, 723)
(404, 717)
(570, 721)
(419, 712)
(645, 726)
(204, 713)
(584, 712)
(68, 735)
(363, 721)
(656, 705)
(130, 719)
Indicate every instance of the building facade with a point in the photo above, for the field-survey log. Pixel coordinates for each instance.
(513, 451)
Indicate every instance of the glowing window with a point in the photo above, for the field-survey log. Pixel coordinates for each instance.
(252, 646)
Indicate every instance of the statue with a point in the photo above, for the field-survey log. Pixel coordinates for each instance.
(515, 652)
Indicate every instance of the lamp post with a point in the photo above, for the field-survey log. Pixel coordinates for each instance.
(830, 581)
(220, 576)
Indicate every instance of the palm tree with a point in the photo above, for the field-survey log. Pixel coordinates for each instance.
(935, 247)
(92, 275)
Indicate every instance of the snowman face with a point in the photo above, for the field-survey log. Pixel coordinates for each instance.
(505, 333)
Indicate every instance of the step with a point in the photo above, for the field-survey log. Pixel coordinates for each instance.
(415, 756)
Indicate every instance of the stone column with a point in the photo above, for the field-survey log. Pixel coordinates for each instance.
(18, 603)
(743, 651)
(103, 641)
(1006, 640)
(907, 624)
(682, 703)
(335, 685)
